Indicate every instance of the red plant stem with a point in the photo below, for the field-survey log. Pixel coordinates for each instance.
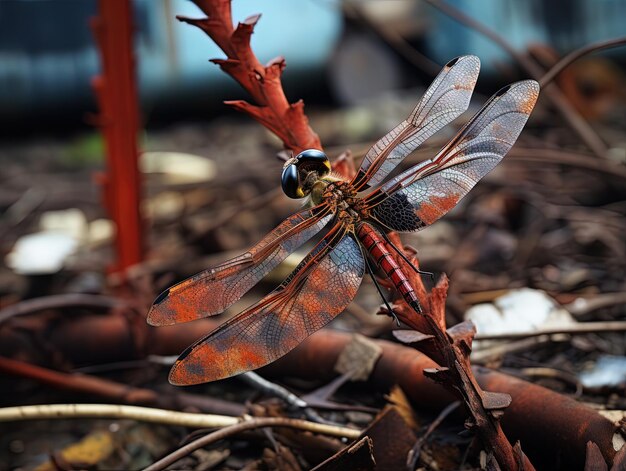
(467, 388)
(263, 83)
(117, 96)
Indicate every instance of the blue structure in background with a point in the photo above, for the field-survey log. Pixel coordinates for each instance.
(562, 24)
(48, 56)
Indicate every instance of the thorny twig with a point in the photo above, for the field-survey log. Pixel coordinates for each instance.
(451, 350)
(272, 109)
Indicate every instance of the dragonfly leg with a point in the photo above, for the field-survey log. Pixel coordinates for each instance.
(380, 290)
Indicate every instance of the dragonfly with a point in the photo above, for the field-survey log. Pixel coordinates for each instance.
(356, 215)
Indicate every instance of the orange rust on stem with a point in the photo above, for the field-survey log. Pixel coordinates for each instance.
(550, 426)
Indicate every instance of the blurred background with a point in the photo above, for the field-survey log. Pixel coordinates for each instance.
(547, 226)
(337, 53)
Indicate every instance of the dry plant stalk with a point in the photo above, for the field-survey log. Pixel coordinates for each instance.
(272, 109)
(448, 348)
(451, 348)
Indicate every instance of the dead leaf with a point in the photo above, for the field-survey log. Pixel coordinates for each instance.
(359, 357)
(91, 450)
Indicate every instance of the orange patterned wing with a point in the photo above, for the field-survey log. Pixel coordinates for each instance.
(424, 193)
(321, 287)
(212, 291)
(447, 98)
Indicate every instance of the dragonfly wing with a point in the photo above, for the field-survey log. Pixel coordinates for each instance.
(424, 193)
(211, 291)
(320, 288)
(446, 99)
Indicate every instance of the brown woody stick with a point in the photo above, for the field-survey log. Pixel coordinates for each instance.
(577, 54)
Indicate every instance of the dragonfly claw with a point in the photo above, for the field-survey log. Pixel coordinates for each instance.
(395, 317)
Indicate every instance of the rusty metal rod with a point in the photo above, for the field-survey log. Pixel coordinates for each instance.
(550, 425)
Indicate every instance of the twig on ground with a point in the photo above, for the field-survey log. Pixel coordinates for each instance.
(115, 411)
(574, 329)
(496, 352)
(60, 301)
(113, 391)
(249, 424)
(583, 306)
(544, 372)
(260, 383)
(414, 454)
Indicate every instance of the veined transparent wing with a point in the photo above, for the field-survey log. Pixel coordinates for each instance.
(319, 289)
(424, 193)
(212, 291)
(447, 98)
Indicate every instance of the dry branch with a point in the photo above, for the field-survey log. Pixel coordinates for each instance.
(571, 116)
(451, 351)
(115, 411)
(577, 54)
(249, 424)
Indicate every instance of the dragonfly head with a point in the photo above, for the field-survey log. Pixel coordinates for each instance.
(301, 171)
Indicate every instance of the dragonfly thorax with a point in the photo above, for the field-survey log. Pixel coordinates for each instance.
(339, 195)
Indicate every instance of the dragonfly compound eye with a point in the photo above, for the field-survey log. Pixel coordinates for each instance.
(313, 160)
(290, 181)
(297, 170)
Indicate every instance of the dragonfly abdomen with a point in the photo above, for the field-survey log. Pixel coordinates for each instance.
(377, 248)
